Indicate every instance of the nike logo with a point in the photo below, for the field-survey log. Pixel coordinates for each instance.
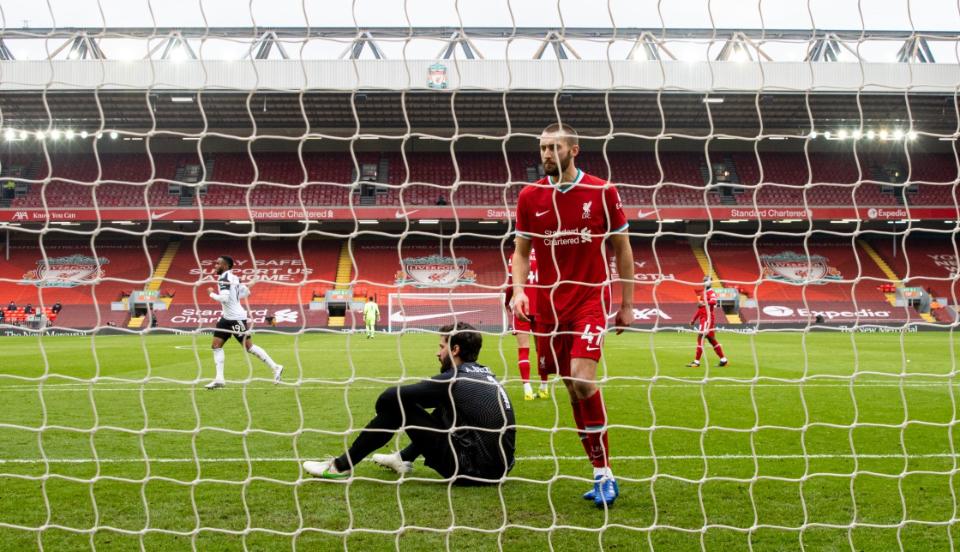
(399, 214)
(399, 318)
(641, 214)
(593, 348)
(155, 216)
(543, 213)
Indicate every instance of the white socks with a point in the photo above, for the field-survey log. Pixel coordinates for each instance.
(218, 360)
(527, 388)
(256, 351)
(603, 471)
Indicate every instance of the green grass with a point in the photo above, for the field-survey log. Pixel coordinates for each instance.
(748, 457)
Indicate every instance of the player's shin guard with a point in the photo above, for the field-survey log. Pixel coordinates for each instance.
(218, 361)
(581, 429)
(595, 421)
(524, 364)
(256, 351)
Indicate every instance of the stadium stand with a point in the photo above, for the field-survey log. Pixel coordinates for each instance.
(379, 269)
(70, 276)
(833, 178)
(924, 260)
(675, 261)
(290, 272)
(122, 179)
(419, 178)
(778, 271)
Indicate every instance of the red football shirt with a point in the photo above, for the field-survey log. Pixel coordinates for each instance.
(568, 226)
(705, 313)
(531, 282)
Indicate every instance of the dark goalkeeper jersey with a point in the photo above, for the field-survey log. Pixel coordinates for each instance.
(486, 443)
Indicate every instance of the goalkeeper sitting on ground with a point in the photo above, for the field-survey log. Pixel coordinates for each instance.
(470, 434)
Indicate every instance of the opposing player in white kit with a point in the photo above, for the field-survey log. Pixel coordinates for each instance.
(233, 322)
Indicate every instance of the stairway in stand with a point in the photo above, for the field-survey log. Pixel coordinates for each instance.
(343, 280)
(159, 273)
(708, 270)
(898, 282)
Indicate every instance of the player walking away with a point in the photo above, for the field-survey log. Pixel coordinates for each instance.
(522, 329)
(704, 320)
(567, 219)
(233, 322)
(470, 434)
(371, 315)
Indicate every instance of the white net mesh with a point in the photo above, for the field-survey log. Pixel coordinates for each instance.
(808, 169)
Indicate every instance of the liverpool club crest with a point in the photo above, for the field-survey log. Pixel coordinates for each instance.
(438, 76)
(794, 268)
(435, 271)
(65, 272)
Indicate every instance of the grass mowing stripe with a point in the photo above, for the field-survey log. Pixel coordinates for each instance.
(519, 459)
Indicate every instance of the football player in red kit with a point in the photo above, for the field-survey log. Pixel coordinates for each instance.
(522, 329)
(704, 321)
(568, 218)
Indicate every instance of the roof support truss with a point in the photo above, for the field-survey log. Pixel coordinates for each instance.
(364, 38)
(81, 47)
(915, 50)
(174, 46)
(459, 37)
(264, 45)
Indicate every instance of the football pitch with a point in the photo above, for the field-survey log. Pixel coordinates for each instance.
(823, 440)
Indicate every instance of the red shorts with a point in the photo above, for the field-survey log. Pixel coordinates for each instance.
(525, 327)
(705, 331)
(582, 338)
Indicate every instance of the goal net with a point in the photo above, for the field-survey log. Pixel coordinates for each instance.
(430, 311)
(795, 160)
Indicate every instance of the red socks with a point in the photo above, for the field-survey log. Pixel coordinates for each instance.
(584, 439)
(594, 416)
(525, 364)
(716, 347)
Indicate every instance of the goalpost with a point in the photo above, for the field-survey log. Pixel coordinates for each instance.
(430, 311)
(763, 147)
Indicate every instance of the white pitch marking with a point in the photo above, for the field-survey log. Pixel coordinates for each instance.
(662, 382)
(521, 458)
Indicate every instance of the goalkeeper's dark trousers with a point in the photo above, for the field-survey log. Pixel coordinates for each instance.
(400, 407)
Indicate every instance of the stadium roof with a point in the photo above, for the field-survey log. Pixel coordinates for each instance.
(441, 113)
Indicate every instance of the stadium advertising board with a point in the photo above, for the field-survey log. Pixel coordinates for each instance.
(864, 312)
(464, 213)
(206, 316)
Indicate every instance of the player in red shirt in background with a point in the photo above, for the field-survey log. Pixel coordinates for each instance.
(704, 320)
(522, 329)
(568, 218)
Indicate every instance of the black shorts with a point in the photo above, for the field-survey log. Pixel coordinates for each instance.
(231, 328)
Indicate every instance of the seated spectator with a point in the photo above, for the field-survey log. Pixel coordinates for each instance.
(56, 307)
(28, 309)
(2, 316)
(12, 306)
(441, 200)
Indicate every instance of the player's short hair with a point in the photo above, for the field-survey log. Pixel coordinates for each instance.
(567, 133)
(369, 298)
(227, 258)
(466, 337)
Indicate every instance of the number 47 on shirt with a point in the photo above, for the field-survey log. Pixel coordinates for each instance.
(593, 338)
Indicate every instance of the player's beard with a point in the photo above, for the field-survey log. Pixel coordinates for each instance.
(219, 271)
(446, 363)
(556, 170)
